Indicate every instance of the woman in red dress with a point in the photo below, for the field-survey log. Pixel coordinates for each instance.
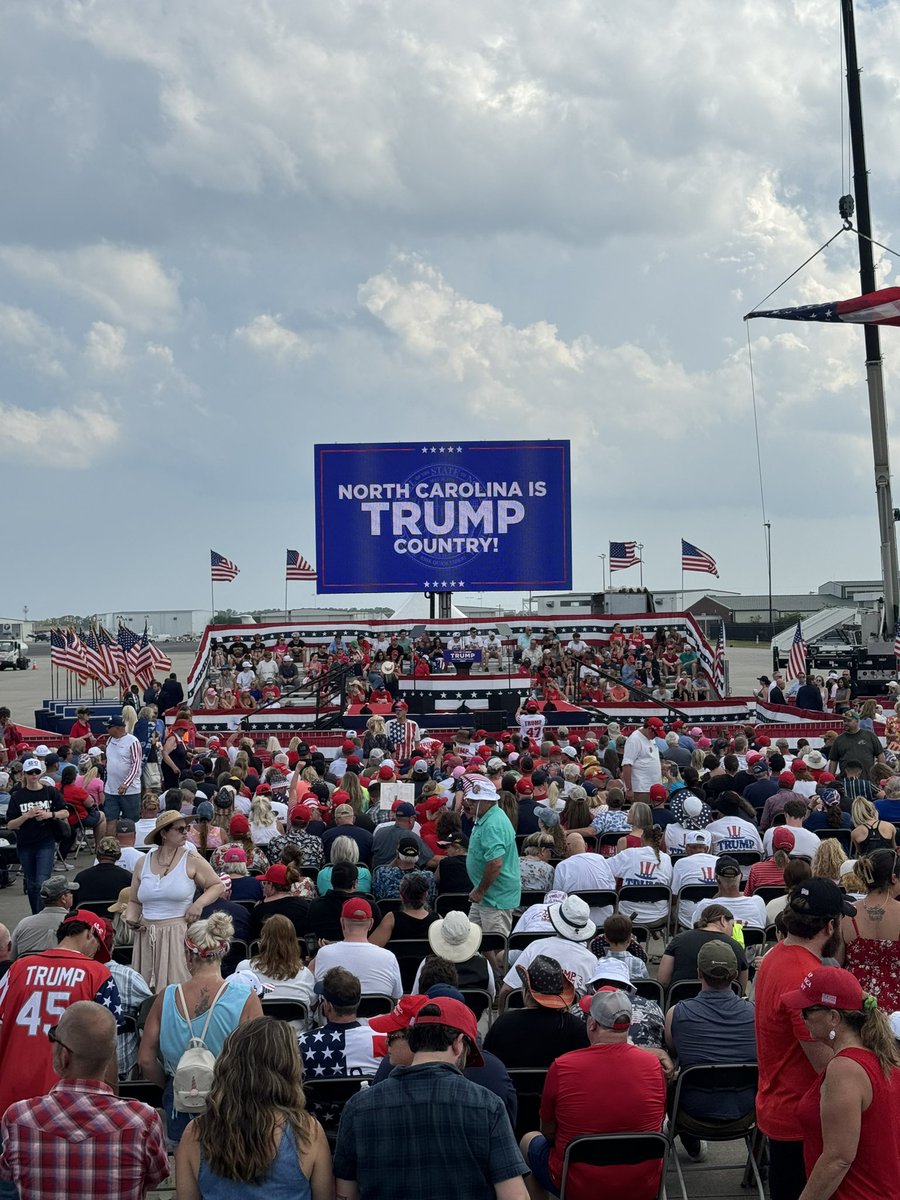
(850, 1117)
(871, 939)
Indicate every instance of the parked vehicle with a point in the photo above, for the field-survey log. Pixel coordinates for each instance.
(13, 654)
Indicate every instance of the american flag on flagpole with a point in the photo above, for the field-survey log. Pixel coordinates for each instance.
(897, 644)
(223, 570)
(298, 567)
(719, 662)
(62, 654)
(95, 659)
(77, 655)
(622, 555)
(128, 640)
(113, 655)
(796, 666)
(142, 660)
(694, 559)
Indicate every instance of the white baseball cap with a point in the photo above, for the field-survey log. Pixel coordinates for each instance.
(697, 837)
(41, 751)
(32, 764)
(95, 752)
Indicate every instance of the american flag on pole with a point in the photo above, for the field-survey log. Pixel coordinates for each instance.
(63, 654)
(128, 641)
(77, 655)
(113, 655)
(622, 555)
(142, 660)
(875, 308)
(694, 559)
(719, 662)
(897, 644)
(796, 666)
(298, 567)
(95, 659)
(159, 661)
(223, 570)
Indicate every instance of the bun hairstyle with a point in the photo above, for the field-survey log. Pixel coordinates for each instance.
(210, 939)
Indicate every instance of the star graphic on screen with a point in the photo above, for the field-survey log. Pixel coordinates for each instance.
(424, 449)
(459, 583)
(434, 449)
(443, 695)
(459, 449)
(443, 450)
(426, 584)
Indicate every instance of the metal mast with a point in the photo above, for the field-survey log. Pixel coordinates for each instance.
(874, 377)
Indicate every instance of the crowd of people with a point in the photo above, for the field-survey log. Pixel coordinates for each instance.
(661, 664)
(434, 913)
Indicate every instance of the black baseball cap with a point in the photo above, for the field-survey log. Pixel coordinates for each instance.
(817, 897)
(728, 866)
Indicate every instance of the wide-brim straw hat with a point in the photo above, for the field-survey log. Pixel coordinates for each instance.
(163, 821)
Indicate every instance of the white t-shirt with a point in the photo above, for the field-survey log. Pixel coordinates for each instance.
(576, 960)
(376, 969)
(267, 672)
(127, 858)
(638, 866)
(734, 833)
(141, 829)
(692, 868)
(804, 788)
(749, 909)
(531, 725)
(805, 842)
(643, 758)
(578, 647)
(534, 920)
(299, 988)
(586, 872)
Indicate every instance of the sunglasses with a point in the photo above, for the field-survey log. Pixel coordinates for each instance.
(398, 1035)
(51, 1036)
(178, 828)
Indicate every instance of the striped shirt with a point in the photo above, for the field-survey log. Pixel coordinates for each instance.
(124, 760)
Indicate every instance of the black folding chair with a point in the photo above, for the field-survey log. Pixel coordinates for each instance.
(528, 898)
(615, 1150)
(649, 893)
(452, 902)
(746, 858)
(284, 1009)
(599, 897)
(650, 989)
(766, 893)
(518, 941)
(123, 954)
(372, 1004)
(392, 905)
(716, 1078)
(143, 1090)
(686, 989)
(478, 1000)
(325, 1099)
(690, 892)
(842, 835)
(529, 1085)
(409, 952)
(100, 908)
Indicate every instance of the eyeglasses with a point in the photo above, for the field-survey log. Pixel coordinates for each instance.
(398, 1035)
(51, 1036)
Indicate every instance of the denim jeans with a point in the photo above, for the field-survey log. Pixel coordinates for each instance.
(115, 806)
(37, 865)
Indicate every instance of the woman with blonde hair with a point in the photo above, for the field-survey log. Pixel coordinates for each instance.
(535, 866)
(273, 746)
(203, 1004)
(847, 1119)
(640, 818)
(578, 817)
(264, 824)
(376, 737)
(256, 1137)
(870, 833)
(278, 964)
(358, 799)
(300, 784)
(827, 860)
(549, 823)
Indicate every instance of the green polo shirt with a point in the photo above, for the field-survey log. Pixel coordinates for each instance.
(494, 837)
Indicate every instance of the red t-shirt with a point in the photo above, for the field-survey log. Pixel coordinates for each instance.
(785, 1073)
(75, 795)
(874, 1169)
(604, 1089)
(764, 874)
(34, 993)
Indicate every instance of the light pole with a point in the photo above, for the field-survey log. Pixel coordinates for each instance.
(24, 620)
(768, 525)
(640, 550)
(602, 558)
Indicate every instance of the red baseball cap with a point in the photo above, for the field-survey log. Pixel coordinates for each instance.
(339, 796)
(385, 773)
(356, 910)
(263, 788)
(658, 791)
(234, 854)
(276, 874)
(455, 1015)
(101, 929)
(782, 838)
(556, 750)
(485, 752)
(481, 733)
(238, 826)
(399, 1016)
(655, 723)
(352, 760)
(524, 787)
(786, 779)
(590, 745)
(348, 746)
(827, 987)
(531, 706)
(300, 812)
(434, 803)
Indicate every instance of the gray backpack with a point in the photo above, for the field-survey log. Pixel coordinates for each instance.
(193, 1077)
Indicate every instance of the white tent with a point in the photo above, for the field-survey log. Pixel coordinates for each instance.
(417, 608)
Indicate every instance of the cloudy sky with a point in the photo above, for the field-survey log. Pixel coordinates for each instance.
(230, 230)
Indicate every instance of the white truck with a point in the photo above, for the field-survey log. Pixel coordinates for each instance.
(13, 654)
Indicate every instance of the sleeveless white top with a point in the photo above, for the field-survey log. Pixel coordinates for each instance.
(165, 897)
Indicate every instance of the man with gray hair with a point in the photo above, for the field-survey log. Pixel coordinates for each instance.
(112, 1148)
(38, 932)
(610, 1087)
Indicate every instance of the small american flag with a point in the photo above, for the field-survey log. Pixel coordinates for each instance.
(622, 555)
(694, 559)
(298, 567)
(719, 662)
(796, 665)
(223, 570)
(897, 642)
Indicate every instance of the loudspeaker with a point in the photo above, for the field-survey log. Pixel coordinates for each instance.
(491, 721)
(503, 700)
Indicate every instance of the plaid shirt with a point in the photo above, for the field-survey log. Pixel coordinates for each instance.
(84, 1143)
(456, 1136)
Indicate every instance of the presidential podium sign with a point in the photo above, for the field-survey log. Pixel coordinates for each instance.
(443, 517)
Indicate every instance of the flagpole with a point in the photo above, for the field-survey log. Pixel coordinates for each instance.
(286, 613)
(212, 596)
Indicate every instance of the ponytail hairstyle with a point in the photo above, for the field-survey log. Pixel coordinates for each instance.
(781, 858)
(873, 1029)
(552, 800)
(877, 870)
(652, 836)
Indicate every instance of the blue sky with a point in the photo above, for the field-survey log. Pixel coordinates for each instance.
(230, 231)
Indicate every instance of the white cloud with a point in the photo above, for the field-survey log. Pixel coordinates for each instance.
(56, 438)
(130, 286)
(267, 335)
(104, 347)
(24, 330)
